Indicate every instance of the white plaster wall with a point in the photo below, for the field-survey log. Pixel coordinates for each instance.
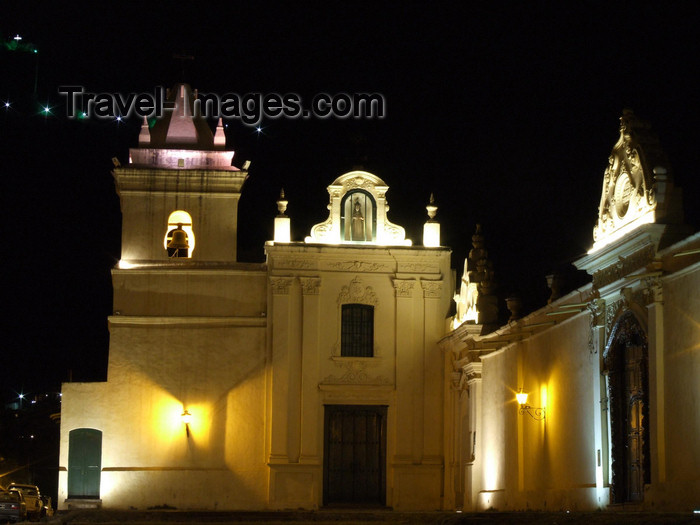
(559, 452)
(155, 373)
(188, 291)
(681, 486)
(547, 464)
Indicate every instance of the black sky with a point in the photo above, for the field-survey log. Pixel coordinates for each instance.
(506, 111)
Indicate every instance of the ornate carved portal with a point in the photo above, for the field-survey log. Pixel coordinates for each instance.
(627, 365)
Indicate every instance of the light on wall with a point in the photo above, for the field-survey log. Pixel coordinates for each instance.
(186, 418)
(534, 412)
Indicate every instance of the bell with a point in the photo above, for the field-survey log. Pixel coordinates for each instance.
(178, 243)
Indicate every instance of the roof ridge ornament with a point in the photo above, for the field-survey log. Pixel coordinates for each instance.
(637, 184)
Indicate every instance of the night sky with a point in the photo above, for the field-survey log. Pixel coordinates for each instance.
(506, 111)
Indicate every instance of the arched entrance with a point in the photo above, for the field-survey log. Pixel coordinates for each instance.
(626, 361)
(84, 463)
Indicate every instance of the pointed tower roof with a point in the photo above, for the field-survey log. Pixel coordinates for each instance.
(182, 138)
(181, 127)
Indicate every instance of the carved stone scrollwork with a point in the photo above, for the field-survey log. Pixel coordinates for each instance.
(310, 285)
(358, 182)
(456, 380)
(404, 287)
(356, 293)
(624, 266)
(280, 285)
(597, 310)
(358, 266)
(610, 313)
(355, 373)
(629, 182)
(297, 264)
(418, 268)
(652, 291)
(431, 288)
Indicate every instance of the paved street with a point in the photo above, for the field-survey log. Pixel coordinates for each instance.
(335, 517)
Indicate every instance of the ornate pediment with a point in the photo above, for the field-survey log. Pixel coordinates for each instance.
(358, 214)
(356, 292)
(636, 185)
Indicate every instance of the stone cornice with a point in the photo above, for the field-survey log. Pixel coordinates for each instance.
(175, 321)
(180, 181)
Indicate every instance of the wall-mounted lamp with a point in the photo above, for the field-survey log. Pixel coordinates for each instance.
(535, 413)
(186, 418)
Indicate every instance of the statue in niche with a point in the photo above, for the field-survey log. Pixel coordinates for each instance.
(358, 222)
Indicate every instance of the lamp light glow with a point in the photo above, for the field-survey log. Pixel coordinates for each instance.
(521, 397)
(186, 419)
(536, 413)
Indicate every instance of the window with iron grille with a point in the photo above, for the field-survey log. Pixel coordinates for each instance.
(357, 331)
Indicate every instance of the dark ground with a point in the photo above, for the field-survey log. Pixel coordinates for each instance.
(335, 517)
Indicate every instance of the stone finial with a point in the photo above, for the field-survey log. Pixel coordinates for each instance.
(282, 222)
(220, 135)
(431, 207)
(282, 203)
(554, 282)
(515, 306)
(431, 229)
(482, 274)
(144, 134)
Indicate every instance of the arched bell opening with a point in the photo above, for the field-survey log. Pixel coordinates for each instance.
(179, 238)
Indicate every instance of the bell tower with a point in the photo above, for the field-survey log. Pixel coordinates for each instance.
(179, 193)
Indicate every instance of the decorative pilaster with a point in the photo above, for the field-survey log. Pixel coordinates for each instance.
(310, 285)
(280, 285)
(404, 287)
(431, 289)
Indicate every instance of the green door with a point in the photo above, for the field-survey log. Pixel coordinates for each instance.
(84, 463)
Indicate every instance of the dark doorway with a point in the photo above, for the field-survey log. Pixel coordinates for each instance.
(84, 463)
(354, 466)
(626, 362)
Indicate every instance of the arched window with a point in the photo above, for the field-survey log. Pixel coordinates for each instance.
(358, 216)
(183, 221)
(357, 330)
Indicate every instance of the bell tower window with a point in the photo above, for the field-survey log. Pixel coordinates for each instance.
(179, 236)
(359, 217)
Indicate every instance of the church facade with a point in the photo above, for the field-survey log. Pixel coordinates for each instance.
(313, 379)
(334, 373)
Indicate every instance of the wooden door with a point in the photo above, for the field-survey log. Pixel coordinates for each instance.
(634, 398)
(626, 363)
(354, 467)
